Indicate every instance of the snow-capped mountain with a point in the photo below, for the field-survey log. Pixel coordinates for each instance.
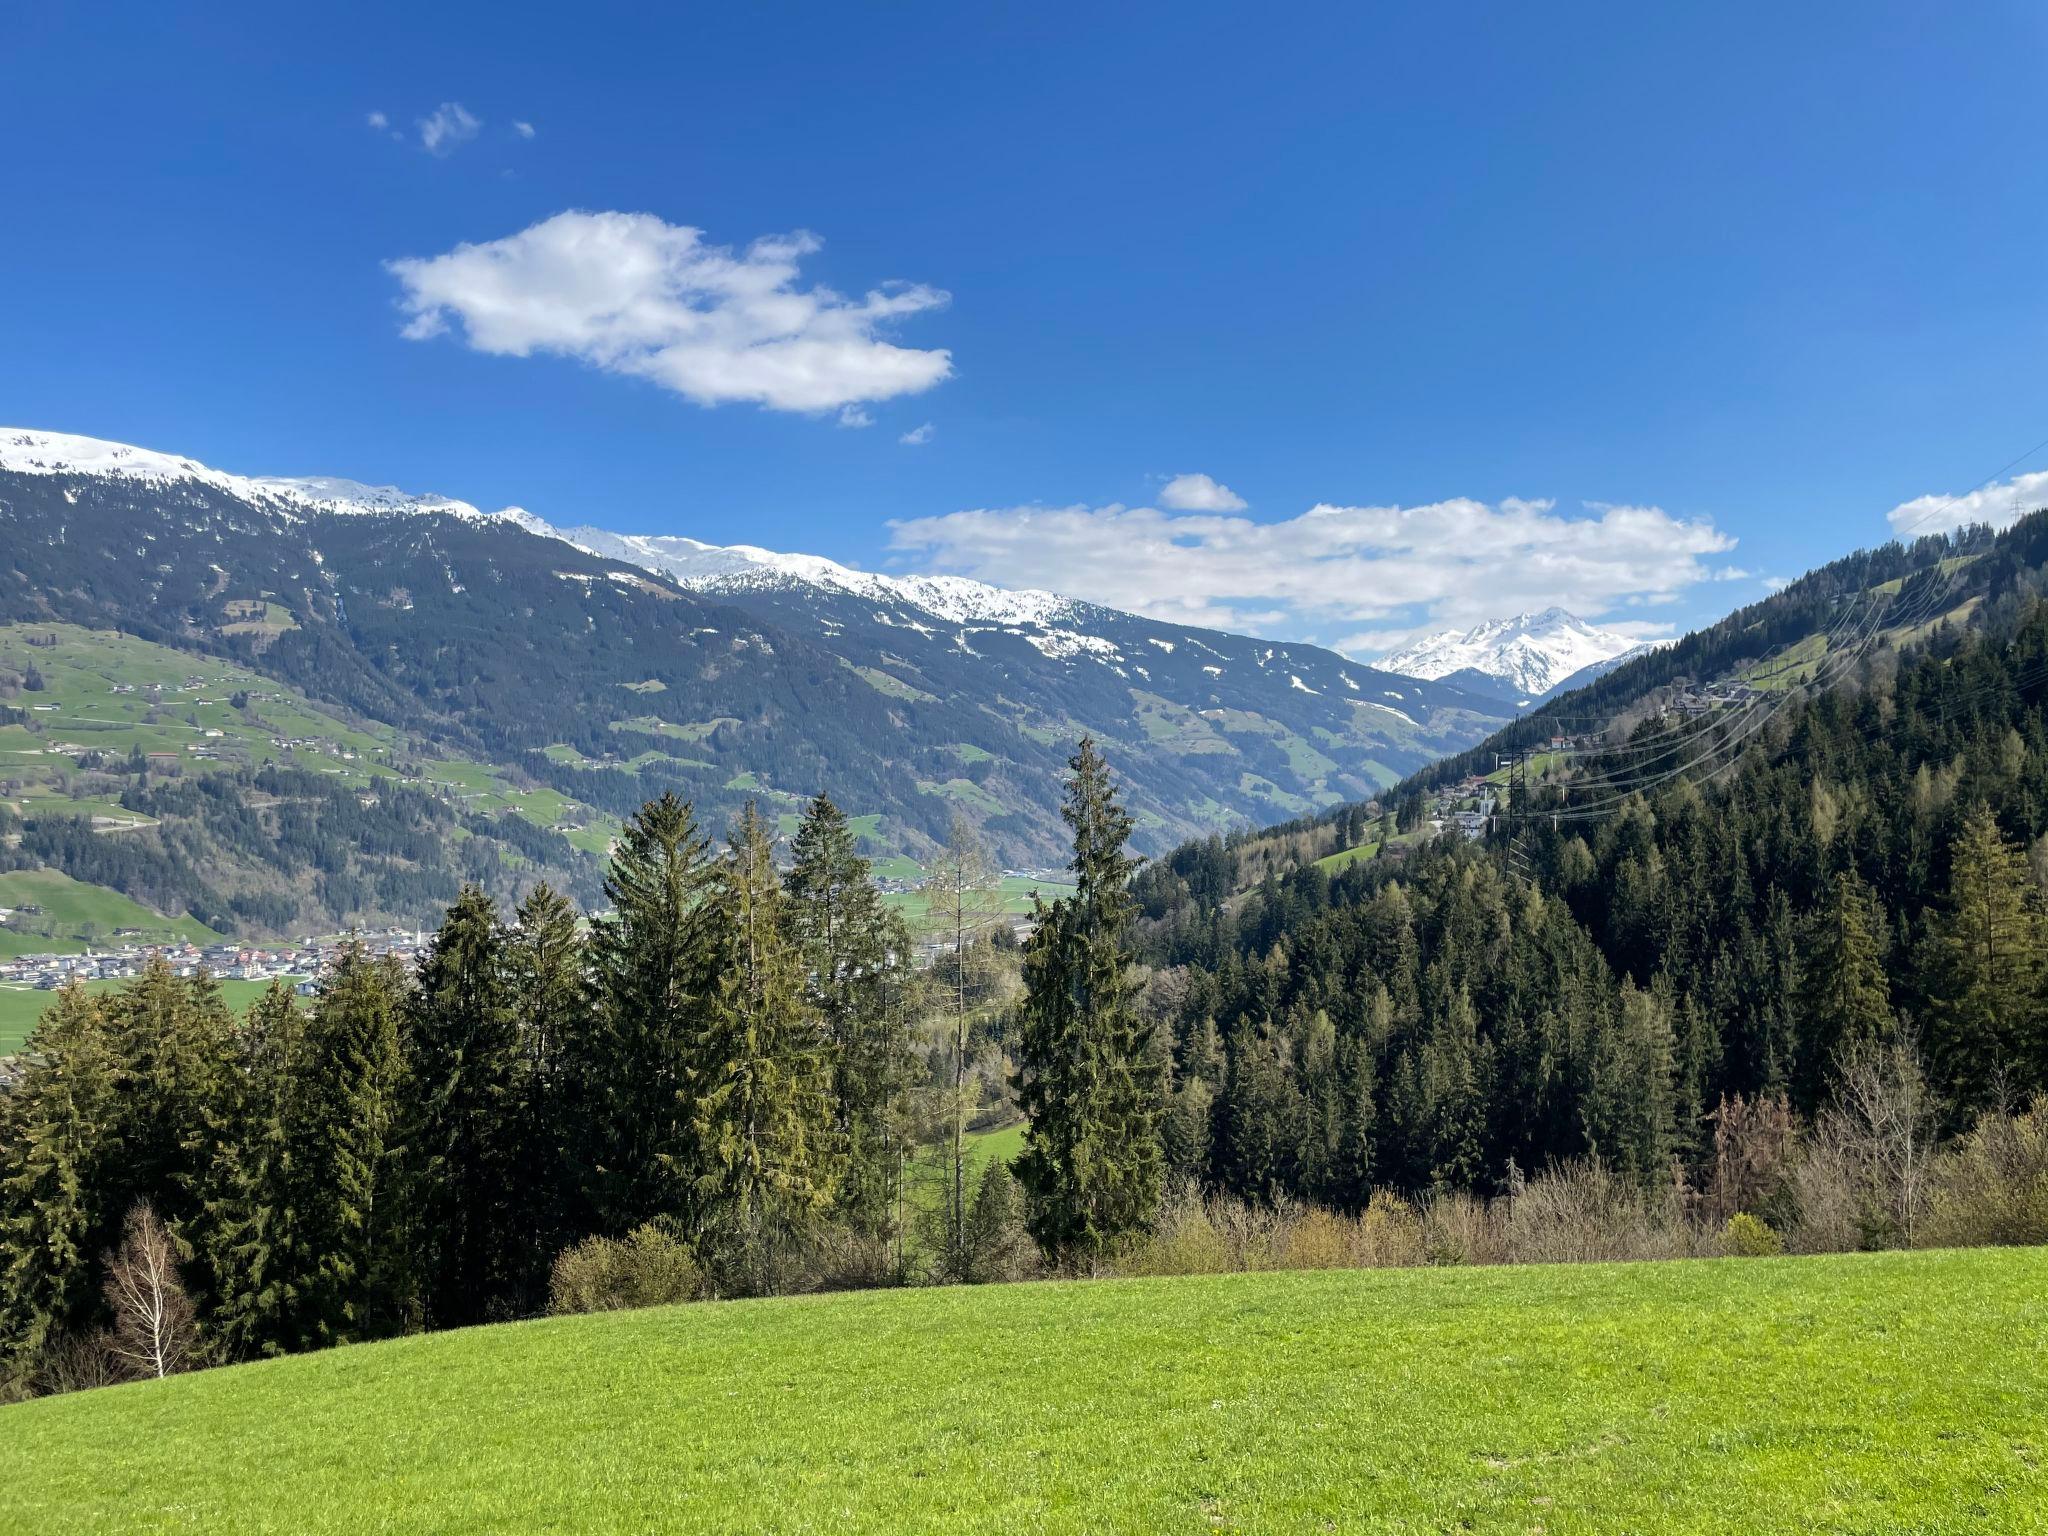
(612, 666)
(1529, 655)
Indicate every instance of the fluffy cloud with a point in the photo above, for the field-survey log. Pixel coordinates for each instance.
(631, 294)
(524, 130)
(378, 120)
(1198, 493)
(917, 437)
(448, 128)
(1399, 570)
(2001, 505)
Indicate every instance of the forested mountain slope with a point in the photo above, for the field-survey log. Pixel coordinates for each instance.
(1692, 910)
(493, 638)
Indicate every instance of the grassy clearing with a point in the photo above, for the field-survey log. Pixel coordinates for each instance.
(1333, 862)
(20, 1007)
(1883, 1393)
(1014, 890)
(75, 914)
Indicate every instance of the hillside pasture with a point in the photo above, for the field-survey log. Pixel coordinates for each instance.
(1871, 1393)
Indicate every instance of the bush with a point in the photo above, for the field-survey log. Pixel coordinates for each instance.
(1184, 1241)
(652, 1267)
(1751, 1237)
(1460, 1229)
(1583, 1212)
(1390, 1232)
(1992, 1186)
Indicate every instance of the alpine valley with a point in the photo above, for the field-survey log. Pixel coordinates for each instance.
(269, 704)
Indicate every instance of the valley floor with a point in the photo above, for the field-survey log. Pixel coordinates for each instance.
(1880, 1393)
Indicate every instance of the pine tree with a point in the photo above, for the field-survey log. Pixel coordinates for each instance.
(1845, 1001)
(1092, 1160)
(346, 1163)
(57, 1154)
(464, 1091)
(173, 1036)
(1991, 945)
(651, 966)
(854, 951)
(254, 1243)
(762, 1084)
(549, 984)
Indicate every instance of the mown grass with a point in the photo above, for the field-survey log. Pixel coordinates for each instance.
(1884, 1393)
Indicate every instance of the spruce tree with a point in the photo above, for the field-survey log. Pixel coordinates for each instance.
(254, 1241)
(548, 977)
(1991, 945)
(464, 1091)
(762, 1082)
(1092, 1160)
(853, 951)
(173, 1037)
(1845, 1001)
(651, 961)
(58, 1154)
(346, 1163)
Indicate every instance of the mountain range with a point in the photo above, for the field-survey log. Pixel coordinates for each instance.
(1521, 660)
(608, 667)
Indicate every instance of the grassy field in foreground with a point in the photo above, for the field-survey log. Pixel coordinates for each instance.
(1882, 1393)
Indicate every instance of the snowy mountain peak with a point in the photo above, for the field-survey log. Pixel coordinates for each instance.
(64, 453)
(744, 567)
(1531, 652)
(694, 563)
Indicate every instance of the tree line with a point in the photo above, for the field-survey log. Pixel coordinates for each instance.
(1870, 873)
(732, 1063)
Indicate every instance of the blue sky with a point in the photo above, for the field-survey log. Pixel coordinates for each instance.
(1460, 275)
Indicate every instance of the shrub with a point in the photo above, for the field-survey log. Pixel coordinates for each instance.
(1460, 1229)
(1583, 1212)
(651, 1267)
(1319, 1239)
(1184, 1241)
(1992, 1186)
(1390, 1232)
(1751, 1237)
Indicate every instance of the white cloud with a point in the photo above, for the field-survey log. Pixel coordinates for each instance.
(1198, 493)
(524, 130)
(631, 294)
(917, 437)
(1402, 571)
(1777, 583)
(378, 120)
(2000, 505)
(854, 416)
(448, 128)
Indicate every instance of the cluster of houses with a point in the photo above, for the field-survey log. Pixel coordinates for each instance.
(1465, 807)
(1689, 702)
(304, 962)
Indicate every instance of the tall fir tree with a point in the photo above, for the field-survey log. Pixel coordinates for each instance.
(1991, 946)
(1092, 1161)
(464, 1090)
(854, 953)
(1845, 1001)
(347, 1162)
(58, 1152)
(762, 1090)
(549, 982)
(652, 960)
(253, 1243)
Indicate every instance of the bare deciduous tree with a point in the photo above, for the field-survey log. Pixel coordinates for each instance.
(153, 1332)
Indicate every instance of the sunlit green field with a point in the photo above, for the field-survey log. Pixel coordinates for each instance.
(20, 1007)
(1886, 1393)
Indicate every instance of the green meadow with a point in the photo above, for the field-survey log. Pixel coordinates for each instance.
(20, 1007)
(1872, 1393)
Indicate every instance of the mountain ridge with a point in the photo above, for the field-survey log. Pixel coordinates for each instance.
(1532, 654)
